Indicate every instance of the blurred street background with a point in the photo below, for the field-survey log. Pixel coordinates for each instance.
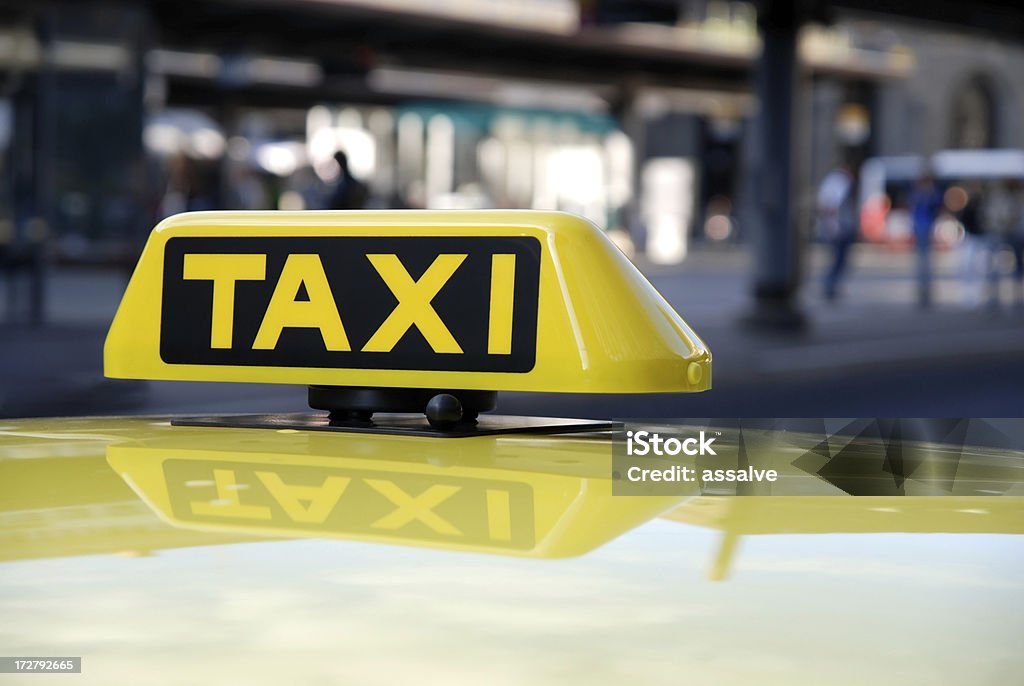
(831, 193)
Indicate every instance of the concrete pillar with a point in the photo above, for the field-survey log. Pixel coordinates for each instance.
(775, 238)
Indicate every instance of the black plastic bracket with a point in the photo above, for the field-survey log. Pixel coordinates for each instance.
(444, 408)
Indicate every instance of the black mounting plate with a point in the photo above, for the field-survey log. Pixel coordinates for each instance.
(400, 424)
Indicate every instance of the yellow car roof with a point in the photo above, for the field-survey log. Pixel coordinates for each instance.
(204, 554)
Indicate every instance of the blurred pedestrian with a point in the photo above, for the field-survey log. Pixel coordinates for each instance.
(349, 192)
(1002, 215)
(190, 187)
(837, 221)
(246, 190)
(975, 249)
(1015, 241)
(925, 205)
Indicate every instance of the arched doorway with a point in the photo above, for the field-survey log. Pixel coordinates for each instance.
(973, 116)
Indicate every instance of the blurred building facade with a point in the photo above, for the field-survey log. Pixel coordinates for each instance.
(114, 114)
(966, 92)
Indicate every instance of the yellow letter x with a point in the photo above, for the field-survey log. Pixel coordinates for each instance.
(419, 508)
(414, 308)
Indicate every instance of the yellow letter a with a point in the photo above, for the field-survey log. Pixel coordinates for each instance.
(319, 312)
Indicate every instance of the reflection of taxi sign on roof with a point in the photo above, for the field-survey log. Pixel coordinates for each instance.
(478, 497)
(475, 301)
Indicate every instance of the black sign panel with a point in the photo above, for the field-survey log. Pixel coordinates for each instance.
(412, 303)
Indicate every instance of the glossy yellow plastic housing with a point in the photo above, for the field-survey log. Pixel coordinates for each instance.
(601, 327)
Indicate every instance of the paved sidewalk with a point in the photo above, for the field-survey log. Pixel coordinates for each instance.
(876, 324)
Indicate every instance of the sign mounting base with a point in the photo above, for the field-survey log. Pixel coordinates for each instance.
(401, 424)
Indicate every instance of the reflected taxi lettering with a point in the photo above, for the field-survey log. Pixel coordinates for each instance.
(463, 304)
(401, 505)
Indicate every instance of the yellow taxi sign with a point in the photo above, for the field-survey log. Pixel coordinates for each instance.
(490, 300)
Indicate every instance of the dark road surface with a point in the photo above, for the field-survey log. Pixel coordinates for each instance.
(980, 389)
